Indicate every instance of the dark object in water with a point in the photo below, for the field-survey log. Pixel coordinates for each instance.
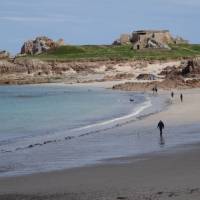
(131, 100)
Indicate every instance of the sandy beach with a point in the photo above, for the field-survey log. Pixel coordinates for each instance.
(99, 100)
(170, 174)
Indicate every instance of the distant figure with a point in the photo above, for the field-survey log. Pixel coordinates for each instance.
(181, 97)
(153, 90)
(172, 94)
(156, 90)
(161, 126)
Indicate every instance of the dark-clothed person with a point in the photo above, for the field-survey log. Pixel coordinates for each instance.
(161, 126)
(181, 97)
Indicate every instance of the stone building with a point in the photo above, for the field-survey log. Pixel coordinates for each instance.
(151, 39)
(123, 40)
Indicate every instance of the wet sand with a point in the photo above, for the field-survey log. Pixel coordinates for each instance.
(170, 174)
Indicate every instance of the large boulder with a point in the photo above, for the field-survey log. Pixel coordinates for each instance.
(40, 45)
(146, 77)
(191, 68)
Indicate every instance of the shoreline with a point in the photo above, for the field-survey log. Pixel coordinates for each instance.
(91, 130)
(171, 174)
(108, 123)
(162, 172)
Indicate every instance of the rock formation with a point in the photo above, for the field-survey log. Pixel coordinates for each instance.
(40, 45)
(191, 68)
(187, 75)
(188, 69)
(146, 77)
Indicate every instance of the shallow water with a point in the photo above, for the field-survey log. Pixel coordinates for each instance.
(35, 110)
(37, 121)
(45, 128)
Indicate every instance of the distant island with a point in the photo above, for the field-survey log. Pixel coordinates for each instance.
(153, 56)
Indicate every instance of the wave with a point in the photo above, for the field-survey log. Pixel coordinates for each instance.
(41, 140)
(135, 112)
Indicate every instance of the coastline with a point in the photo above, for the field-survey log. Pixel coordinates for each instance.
(166, 173)
(53, 142)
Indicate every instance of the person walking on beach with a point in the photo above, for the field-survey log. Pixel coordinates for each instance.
(156, 89)
(181, 97)
(153, 90)
(172, 94)
(161, 126)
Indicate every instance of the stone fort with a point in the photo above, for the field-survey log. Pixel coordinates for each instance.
(142, 39)
(147, 38)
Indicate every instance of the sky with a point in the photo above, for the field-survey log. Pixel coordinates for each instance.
(94, 21)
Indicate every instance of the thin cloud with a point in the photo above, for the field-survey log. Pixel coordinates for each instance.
(42, 19)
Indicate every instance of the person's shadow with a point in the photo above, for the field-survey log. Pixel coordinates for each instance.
(162, 141)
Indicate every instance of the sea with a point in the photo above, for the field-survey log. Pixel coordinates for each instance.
(54, 127)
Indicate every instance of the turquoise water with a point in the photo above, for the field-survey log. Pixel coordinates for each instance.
(46, 127)
(45, 110)
(49, 127)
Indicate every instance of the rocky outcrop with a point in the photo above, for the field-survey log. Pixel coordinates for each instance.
(146, 77)
(26, 70)
(188, 69)
(192, 68)
(187, 75)
(40, 45)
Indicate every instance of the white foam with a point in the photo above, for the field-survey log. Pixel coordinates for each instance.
(135, 112)
(59, 136)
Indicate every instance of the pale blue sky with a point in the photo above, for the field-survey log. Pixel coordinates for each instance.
(94, 21)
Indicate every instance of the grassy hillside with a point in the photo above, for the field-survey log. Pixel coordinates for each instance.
(109, 52)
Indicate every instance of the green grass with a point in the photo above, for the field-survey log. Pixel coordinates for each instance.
(109, 52)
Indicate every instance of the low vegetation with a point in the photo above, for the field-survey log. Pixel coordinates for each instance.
(123, 52)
